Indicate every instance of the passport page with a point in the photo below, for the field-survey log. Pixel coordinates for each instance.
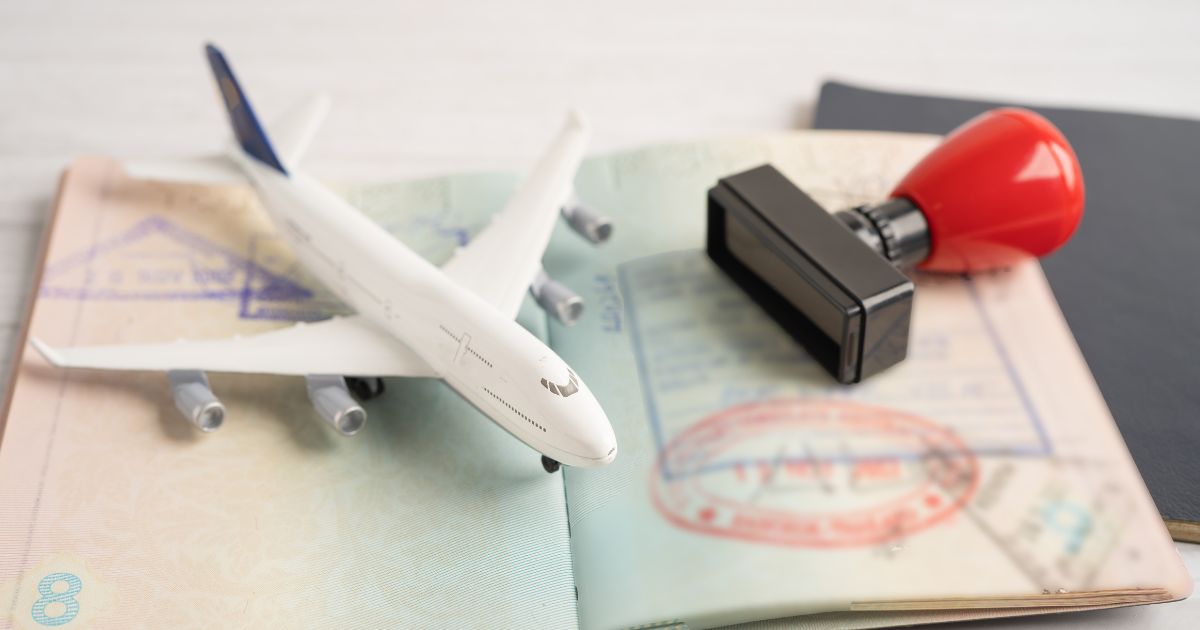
(983, 472)
(117, 513)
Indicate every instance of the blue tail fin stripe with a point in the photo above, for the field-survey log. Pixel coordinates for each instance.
(245, 124)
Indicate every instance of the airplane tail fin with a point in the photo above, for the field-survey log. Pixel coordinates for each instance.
(249, 132)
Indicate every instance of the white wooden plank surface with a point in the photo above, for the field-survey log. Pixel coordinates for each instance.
(423, 87)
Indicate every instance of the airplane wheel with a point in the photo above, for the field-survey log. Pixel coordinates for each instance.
(550, 465)
(365, 388)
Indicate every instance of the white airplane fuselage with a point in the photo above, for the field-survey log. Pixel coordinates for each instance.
(488, 359)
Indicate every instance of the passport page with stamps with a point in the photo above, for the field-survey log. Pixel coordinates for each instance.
(116, 513)
(983, 472)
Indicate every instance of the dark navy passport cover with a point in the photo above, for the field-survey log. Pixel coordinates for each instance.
(1128, 282)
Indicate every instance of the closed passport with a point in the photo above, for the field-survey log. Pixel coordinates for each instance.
(1127, 281)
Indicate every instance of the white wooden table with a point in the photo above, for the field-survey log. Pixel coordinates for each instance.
(428, 87)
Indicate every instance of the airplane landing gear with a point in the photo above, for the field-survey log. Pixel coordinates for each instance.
(550, 465)
(365, 388)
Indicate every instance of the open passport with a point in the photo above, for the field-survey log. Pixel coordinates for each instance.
(982, 477)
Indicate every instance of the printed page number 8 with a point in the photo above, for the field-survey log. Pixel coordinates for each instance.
(57, 604)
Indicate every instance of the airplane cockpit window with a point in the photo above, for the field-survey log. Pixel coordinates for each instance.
(563, 389)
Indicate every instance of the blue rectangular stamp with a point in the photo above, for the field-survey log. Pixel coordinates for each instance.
(156, 259)
(703, 348)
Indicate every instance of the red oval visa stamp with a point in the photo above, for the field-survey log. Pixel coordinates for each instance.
(813, 473)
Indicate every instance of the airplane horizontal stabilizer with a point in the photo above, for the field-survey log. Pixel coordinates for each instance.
(214, 169)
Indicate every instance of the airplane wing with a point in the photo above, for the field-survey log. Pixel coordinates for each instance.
(500, 263)
(342, 345)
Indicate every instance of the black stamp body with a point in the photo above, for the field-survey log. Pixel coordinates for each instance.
(814, 272)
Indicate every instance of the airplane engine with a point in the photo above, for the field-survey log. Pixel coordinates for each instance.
(195, 399)
(331, 399)
(587, 223)
(556, 299)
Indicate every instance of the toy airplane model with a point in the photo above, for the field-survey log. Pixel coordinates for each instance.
(413, 319)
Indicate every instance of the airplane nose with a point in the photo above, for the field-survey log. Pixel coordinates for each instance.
(592, 440)
(584, 435)
(597, 451)
(602, 447)
(611, 454)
